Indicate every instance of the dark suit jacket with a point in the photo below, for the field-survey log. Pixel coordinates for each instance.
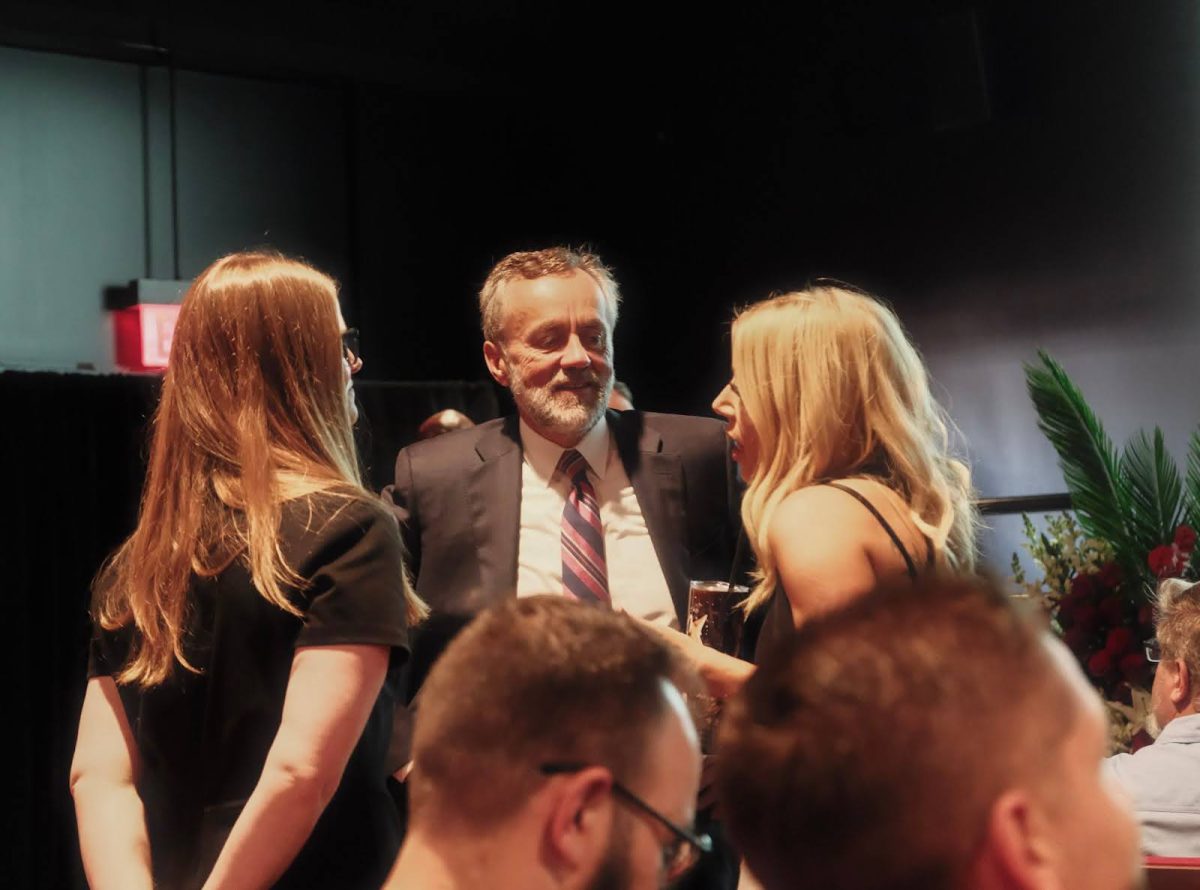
(458, 499)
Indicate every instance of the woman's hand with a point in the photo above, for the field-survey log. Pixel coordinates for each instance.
(723, 675)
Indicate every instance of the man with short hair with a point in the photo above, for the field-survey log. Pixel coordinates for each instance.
(619, 509)
(923, 738)
(615, 508)
(1163, 779)
(553, 750)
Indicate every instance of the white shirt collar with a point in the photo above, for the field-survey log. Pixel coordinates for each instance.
(542, 455)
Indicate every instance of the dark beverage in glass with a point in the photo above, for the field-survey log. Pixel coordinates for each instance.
(713, 614)
(715, 620)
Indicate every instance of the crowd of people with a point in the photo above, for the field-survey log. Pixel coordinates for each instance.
(481, 677)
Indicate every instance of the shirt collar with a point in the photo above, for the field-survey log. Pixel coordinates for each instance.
(543, 455)
(1181, 729)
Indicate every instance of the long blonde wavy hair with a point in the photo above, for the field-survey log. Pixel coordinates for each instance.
(835, 389)
(254, 412)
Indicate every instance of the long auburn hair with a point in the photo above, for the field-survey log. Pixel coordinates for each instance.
(253, 413)
(835, 389)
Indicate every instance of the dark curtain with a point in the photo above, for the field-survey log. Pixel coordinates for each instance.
(73, 449)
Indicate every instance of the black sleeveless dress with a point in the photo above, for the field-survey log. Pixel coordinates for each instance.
(778, 626)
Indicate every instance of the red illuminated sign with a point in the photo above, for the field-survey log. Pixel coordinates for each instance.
(144, 335)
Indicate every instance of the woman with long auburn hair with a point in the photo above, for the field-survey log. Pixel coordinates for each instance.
(850, 481)
(236, 719)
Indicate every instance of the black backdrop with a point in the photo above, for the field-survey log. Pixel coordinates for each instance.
(714, 154)
(73, 453)
(710, 156)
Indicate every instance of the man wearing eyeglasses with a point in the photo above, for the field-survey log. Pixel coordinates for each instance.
(1163, 779)
(553, 750)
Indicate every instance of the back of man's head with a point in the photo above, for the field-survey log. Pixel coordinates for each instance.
(868, 752)
(1177, 626)
(534, 681)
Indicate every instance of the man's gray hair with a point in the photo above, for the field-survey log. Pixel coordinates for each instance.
(1177, 624)
(532, 264)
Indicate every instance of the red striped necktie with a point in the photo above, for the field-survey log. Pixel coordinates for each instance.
(585, 575)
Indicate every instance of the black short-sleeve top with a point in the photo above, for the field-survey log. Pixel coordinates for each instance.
(203, 737)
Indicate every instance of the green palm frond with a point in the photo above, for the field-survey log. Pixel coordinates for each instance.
(1192, 497)
(1155, 490)
(1191, 494)
(1099, 493)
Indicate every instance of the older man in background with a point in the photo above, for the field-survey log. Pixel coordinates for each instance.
(1163, 779)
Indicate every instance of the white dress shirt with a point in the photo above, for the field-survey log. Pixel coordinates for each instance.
(636, 582)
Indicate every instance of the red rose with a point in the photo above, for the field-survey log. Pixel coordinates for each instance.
(1185, 538)
(1109, 576)
(1112, 609)
(1162, 560)
(1066, 611)
(1100, 665)
(1086, 616)
(1078, 640)
(1133, 667)
(1119, 640)
(1140, 741)
(1082, 587)
(1146, 616)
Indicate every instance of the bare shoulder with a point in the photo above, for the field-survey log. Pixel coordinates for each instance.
(819, 514)
(819, 539)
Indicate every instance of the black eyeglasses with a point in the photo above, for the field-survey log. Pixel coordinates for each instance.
(685, 847)
(351, 349)
(1153, 650)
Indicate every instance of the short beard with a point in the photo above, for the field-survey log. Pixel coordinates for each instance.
(566, 421)
(1153, 728)
(613, 871)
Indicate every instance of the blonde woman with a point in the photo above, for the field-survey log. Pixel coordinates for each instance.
(850, 481)
(233, 731)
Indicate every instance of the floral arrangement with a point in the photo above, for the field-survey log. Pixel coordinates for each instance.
(1133, 525)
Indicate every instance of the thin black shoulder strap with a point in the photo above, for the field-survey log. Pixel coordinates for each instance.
(908, 560)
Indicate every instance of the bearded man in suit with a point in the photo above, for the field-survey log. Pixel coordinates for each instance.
(639, 504)
(616, 508)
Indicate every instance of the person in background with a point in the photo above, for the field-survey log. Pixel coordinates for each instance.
(928, 738)
(235, 722)
(621, 397)
(1163, 779)
(441, 422)
(541, 763)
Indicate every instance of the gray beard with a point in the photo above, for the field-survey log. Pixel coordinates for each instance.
(1152, 726)
(613, 872)
(565, 420)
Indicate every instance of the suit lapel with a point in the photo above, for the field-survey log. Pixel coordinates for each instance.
(657, 479)
(495, 502)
